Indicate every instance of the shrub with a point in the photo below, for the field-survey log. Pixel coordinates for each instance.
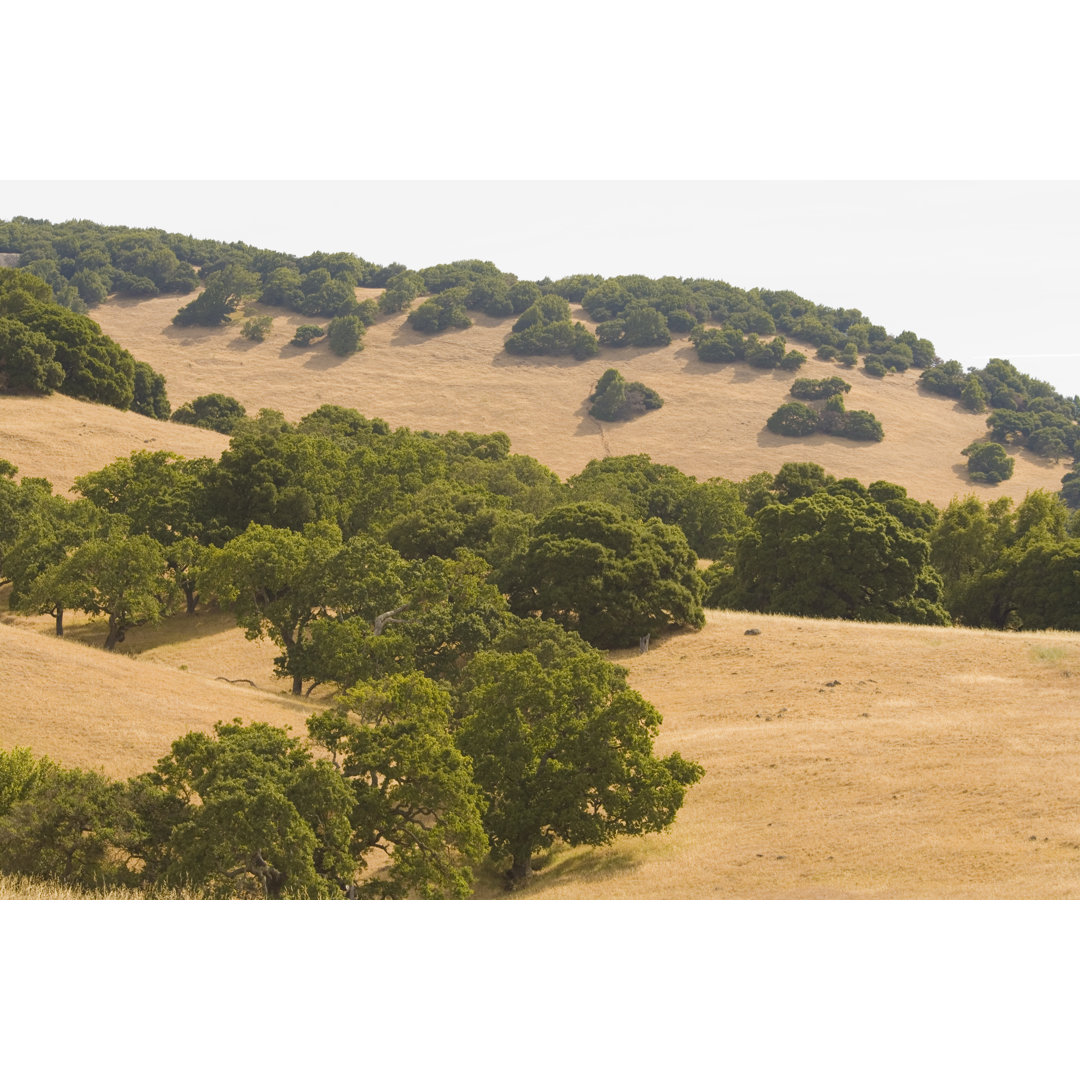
(444, 311)
(827, 352)
(645, 326)
(149, 397)
(793, 419)
(367, 312)
(988, 463)
(257, 328)
(612, 334)
(718, 346)
(793, 360)
(862, 426)
(681, 322)
(345, 335)
(217, 412)
(874, 368)
(616, 399)
(849, 355)
(306, 334)
(812, 389)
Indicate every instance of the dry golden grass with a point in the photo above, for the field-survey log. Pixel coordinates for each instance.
(60, 438)
(90, 709)
(942, 763)
(712, 422)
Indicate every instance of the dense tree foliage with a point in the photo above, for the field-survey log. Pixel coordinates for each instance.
(832, 555)
(595, 570)
(45, 346)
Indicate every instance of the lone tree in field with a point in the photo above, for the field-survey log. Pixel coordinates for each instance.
(562, 748)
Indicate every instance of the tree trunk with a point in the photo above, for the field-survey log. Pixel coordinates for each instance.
(59, 613)
(189, 593)
(298, 684)
(116, 633)
(521, 869)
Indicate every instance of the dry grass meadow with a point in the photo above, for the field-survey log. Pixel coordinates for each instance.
(842, 759)
(712, 422)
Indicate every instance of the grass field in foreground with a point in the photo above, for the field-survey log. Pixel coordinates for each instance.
(842, 759)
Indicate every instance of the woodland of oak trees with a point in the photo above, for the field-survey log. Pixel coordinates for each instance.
(454, 596)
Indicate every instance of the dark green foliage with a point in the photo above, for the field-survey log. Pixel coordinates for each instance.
(835, 556)
(946, 379)
(718, 346)
(401, 290)
(612, 334)
(345, 335)
(554, 339)
(217, 412)
(645, 326)
(592, 569)
(414, 797)
(551, 308)
(257, 327)
(253, 815)
(224, 292)
(562, 748)
(306, 334)
(988, 463)
(862, 426)
(849, 355)
(94, 366)
(148, 394)
(616, 399)
(793, 360)
(765, 356)
(827, 352)
(443, 311)
(874, 367)
(812, 389)
(61, 827)
(973, 395)
(574, 287)
(898, 357)
(27, 360)
(681, 322)
(794, 419)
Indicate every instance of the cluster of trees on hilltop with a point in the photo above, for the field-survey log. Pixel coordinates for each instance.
(45, 347)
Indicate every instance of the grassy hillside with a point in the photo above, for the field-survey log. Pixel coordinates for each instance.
(712, 422)
(60, 438)
(843, 760)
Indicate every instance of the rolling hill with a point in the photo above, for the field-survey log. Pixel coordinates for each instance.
(712, 422)
(842, 759)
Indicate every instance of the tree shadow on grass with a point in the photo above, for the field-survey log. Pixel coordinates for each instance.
(326, 360)
(587, 866)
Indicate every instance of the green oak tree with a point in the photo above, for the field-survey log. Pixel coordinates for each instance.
(562, 748)
(593, 569)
